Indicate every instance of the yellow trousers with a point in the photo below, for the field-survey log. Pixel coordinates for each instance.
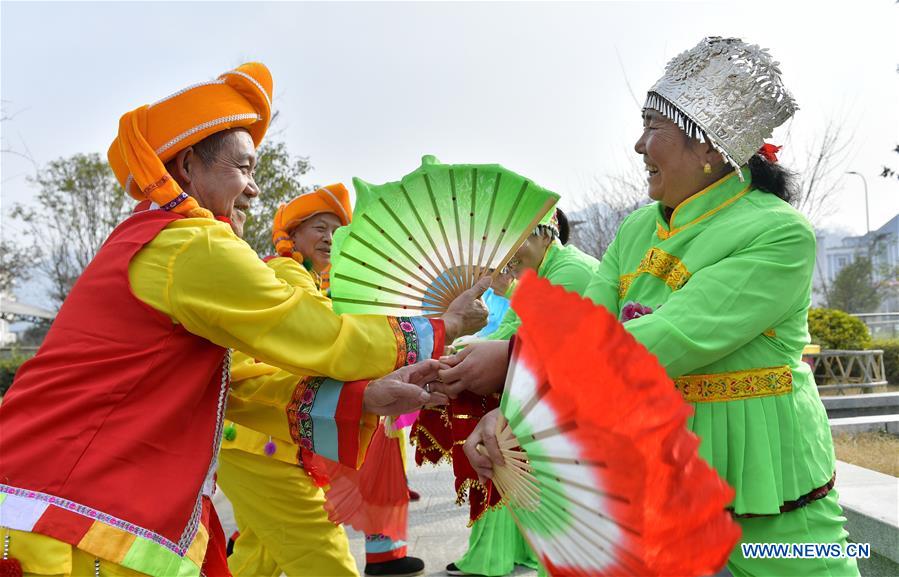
(282, 522)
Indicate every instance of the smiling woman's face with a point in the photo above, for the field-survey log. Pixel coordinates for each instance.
(673, 160)
(312, 238)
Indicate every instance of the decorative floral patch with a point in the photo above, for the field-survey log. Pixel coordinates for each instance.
(299, 411)
(659, 264)
(632, 310)
(406, 341)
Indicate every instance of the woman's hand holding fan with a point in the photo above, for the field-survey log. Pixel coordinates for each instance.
(482, 448)
(467, 313)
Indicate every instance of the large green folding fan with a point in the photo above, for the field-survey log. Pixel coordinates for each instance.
(416, 244)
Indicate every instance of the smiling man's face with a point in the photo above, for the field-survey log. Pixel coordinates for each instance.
(312, 238)
(223, 181)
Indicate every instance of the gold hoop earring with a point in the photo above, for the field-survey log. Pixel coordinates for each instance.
(707, 169)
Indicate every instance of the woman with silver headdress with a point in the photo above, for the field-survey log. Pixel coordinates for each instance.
(714, 279)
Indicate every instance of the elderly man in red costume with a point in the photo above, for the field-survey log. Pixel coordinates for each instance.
(110, 433)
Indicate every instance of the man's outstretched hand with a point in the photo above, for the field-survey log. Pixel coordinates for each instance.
(403, 390)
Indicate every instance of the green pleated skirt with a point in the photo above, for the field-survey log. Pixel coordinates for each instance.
(769, 449)
(495, 546)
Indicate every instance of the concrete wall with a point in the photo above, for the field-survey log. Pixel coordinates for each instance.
(870, 501)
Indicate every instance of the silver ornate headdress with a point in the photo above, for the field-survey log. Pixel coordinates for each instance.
(724, 92)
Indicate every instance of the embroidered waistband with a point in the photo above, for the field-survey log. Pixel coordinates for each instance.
(735, 385)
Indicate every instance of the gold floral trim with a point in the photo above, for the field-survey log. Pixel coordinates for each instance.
(659, 264)
(735, 385)
(400, 341)
(462, 496)
(501, 505)
(462, 491)
(664, 234)
(415, 439)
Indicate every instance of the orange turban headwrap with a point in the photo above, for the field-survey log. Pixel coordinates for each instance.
(151, 135)
(334, 198)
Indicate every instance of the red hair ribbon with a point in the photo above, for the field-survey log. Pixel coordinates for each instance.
(769, 152)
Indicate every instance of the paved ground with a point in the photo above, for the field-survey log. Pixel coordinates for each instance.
(437, 526)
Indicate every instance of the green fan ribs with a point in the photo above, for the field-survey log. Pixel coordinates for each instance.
(417, 243)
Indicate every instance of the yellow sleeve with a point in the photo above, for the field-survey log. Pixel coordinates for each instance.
(259, 396)
(321, 415)
(297, 276)
(202, 276)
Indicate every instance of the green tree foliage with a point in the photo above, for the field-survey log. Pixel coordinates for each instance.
(15, 265)
(8, 368)
(79, 202)
(835, 329)
(34, 335)
(855, 289)
(278, 177)
(888, 172)
(890, 348)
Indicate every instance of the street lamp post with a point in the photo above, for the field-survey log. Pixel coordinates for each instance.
(867, 214)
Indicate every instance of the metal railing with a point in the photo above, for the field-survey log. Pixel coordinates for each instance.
(881, 325)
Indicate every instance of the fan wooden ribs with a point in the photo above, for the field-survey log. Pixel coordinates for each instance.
(600, 472)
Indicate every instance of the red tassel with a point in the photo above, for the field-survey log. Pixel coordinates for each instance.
(10, 568)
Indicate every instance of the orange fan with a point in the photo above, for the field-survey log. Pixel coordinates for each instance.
(601, 474)
(374, 499)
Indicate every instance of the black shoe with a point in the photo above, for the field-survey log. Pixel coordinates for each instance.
(452, 569)
(405, 567)
(414, 496)
(231, 540)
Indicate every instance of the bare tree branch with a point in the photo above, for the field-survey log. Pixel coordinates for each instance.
(820, 173)
(79, 202)
(610, 198)
(627, 81)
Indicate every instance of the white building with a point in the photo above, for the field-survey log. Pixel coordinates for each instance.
(837, 252)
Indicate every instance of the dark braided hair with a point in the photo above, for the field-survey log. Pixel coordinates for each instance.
(772, 178)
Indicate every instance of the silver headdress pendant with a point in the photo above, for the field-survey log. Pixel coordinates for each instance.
(725, 92)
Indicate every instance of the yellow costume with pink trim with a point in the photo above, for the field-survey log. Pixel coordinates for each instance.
(287, 531)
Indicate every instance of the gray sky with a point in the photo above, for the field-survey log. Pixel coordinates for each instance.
(366, 89)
